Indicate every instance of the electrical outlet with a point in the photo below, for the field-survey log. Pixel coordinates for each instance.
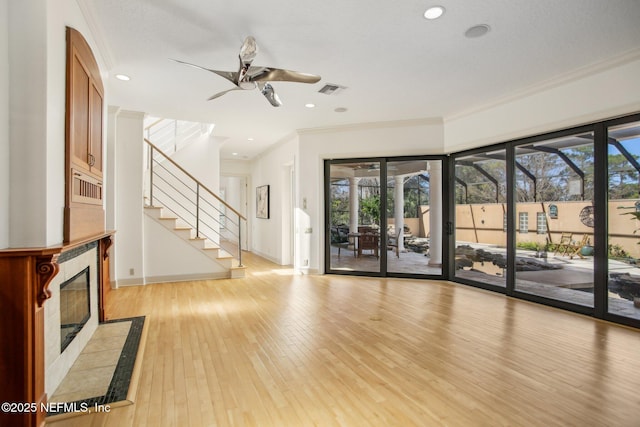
(131, 272)
(305, 263)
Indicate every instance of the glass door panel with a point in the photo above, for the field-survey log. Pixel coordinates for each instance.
(480, 213)
(555, 219)
(624, 220)
(354, 216)
(414, 217)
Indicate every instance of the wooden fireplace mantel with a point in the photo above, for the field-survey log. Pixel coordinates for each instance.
(25, 275)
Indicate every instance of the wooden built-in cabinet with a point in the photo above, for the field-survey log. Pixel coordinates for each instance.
(84, 212)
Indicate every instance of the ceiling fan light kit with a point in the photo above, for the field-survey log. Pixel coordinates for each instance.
(250, 76)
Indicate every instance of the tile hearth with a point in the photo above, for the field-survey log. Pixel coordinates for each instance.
(93, 370)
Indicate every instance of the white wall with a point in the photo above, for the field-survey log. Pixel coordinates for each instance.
(37, 52)
(201, 158)
(167, 257)
(235, 167)
(128, 249)
(27, 123)
(269, 237)
(382, 139)
(605, 94)
(4, 124)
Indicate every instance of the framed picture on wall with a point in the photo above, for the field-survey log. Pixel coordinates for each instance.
(262, 202)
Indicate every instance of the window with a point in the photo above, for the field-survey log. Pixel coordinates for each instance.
(541, 223)
(523, 222)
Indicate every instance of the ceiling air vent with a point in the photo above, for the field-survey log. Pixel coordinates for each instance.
(331, 89)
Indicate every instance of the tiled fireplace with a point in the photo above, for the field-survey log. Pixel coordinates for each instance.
(73, 264)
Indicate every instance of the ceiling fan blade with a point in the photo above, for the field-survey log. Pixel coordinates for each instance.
(229, 75)
(270, 94)
(268, 74)
(219, 94)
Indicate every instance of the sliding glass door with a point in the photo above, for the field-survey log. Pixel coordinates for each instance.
(554, 219)
(384, 216)
(554, 232)
(414, 217)
(481, 218)
(623, 288)
(354, 215)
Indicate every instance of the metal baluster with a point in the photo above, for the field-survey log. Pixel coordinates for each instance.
(240, 242)
(150, 176)
(197, 209)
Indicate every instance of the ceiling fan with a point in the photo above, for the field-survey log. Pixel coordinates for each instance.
(251, 76)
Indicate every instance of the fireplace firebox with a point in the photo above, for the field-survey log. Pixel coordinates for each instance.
(75, 308)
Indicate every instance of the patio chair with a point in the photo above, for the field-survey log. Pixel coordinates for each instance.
(563, 245)
(368, 242)
(341, 240)
(576, 248)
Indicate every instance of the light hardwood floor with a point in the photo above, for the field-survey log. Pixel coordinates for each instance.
(277, 349)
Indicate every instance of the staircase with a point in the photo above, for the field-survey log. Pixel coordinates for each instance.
(186, 207)
(202, 244)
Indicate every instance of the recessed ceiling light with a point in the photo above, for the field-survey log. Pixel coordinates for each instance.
(477, 31)
(234, 154)
(434, 12)
(340, 110)
(123, 77)
(250, 139)
(309, 105)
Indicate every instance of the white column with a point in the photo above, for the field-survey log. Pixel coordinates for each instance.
(354, 204)
(128, 249)
(398, 210)
(435, 212)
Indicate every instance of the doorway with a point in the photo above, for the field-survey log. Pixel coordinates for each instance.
(233, 189)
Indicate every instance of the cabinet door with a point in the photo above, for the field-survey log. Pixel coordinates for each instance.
(79, 109)
(95, 136)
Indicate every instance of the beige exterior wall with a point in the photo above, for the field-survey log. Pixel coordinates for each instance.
(483, 223)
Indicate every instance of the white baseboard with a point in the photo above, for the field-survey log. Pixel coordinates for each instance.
(171, 278)
(187, 277)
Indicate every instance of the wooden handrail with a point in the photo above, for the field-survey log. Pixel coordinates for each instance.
(195, 179)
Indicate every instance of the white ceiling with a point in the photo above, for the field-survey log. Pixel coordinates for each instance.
(395, 64)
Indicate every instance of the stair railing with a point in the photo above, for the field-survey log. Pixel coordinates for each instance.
(173, 188)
